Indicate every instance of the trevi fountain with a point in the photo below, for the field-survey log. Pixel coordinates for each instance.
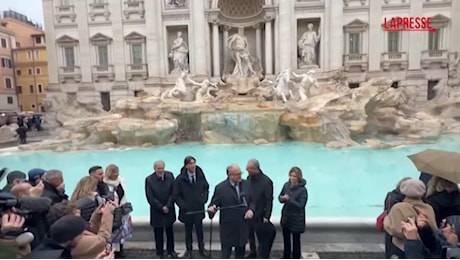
(245, 107)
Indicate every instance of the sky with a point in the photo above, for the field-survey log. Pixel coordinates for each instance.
(31, 8)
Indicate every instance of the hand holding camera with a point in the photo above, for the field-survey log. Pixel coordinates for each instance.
(12, 222)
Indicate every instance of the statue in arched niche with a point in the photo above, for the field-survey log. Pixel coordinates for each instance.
(240, 62)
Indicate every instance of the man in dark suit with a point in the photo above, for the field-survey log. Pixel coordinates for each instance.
(229, 195)
(261, 192)
(158, 190)
(191, 191)
(97, 173)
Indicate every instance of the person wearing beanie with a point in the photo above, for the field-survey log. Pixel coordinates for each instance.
(35, 175)
(64, 235)
(413, 190)
(12, 179)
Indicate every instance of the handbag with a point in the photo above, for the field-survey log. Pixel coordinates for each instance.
(379, 221)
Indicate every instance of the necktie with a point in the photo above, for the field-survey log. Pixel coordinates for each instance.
(193, 179)
(237, 189)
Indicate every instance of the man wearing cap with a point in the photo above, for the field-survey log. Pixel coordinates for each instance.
(35, 175)
(12, 179)
(64, 236)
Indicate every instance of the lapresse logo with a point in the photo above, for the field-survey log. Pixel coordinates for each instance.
(410, 23)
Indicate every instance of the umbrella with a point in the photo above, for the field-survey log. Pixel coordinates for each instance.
(443, 164)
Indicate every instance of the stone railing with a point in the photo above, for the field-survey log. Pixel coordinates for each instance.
(356, 59)
(101, 71)
(136, 70)
(65, 9)
(394, 58)
(69, 72)
(435, 56)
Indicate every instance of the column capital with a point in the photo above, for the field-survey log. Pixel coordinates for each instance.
(226, 28)
(257, 26)
(213, 17)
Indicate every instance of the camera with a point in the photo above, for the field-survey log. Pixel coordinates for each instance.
(8, 202)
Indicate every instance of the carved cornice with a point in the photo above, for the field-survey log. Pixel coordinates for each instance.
(266, 14)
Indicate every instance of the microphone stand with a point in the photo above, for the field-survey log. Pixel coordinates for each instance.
(218, 208)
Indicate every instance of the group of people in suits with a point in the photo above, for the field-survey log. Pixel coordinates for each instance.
(245, 209)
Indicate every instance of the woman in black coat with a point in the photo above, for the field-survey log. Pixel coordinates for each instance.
(294, 196)
(158, 190)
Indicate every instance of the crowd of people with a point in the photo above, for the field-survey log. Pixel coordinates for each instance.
(421, 219)
(94, 222)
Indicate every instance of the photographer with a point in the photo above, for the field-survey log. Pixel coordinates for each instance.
(11, 229)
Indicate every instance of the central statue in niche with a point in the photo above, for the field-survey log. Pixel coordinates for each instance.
(242, 70)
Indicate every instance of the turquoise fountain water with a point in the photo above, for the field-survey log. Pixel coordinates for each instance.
(341, 183)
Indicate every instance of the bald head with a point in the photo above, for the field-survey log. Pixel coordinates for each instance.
(234, 173)
(21, 190)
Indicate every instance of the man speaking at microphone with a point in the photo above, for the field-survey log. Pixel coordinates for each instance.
(229, 196)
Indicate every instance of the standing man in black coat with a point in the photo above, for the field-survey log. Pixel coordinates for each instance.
(158, 190)
(230, 195)
(261, 193)
(191, 191)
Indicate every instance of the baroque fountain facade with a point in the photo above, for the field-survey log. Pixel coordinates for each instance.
(254, 88)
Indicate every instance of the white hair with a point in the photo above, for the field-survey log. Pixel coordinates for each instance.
(52, 174)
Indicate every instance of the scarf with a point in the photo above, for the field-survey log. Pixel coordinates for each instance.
(113, 183)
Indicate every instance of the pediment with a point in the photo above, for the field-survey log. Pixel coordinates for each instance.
(134, 36)
(65, 39)
(356, 25)
(99, 37)
(440, 19)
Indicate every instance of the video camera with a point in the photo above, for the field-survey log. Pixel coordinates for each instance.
(450, 253)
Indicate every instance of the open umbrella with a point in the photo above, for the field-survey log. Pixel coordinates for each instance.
(443, 164)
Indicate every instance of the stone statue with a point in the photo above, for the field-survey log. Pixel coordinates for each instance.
(454, 71)
(307, 47)
(241, 63)
(176, 3)
(179, 54)
(204, 90)
(179, 91)
(308, 81)
(282, 89)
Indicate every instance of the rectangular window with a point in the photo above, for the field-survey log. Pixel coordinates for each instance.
(18, 45)
(8, 83)
(19, 89)
(38, 71)
(69, 57)
(4, 43)
(16, 55)
(30, 71)
(393, 41)
(29, 55)
(103, 55)
(18, 72)
(9, 100)
(31, 88)
(37, 54)
(6, 63)
(40, 88)
(65, 2)
(355, 43)
(434, 40)
(136, 54)
(38, 40)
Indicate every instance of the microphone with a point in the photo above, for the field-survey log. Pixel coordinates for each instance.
(243, 197)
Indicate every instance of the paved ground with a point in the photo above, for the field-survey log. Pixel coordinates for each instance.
(32, 137)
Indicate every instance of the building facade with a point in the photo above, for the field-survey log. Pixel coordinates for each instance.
(8, 99)
(29, 61)
(103, 49)
(31, 69)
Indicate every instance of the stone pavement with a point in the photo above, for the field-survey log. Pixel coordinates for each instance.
(144, 250)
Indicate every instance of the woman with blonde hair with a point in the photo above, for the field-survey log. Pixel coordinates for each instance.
(117, 193)
(294, 196)
(85, 197)
(444, 196)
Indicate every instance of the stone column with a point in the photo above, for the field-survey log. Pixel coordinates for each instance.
(376, 34)
(198, 38)
(83, 36)
(225, 45)
(153, 37)
(455, 27)
(118, 44)
(286, 14)
(416, 38)
(258, 42)
(51, 46)
(215, 50)
(331, 54)
(268, 48)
